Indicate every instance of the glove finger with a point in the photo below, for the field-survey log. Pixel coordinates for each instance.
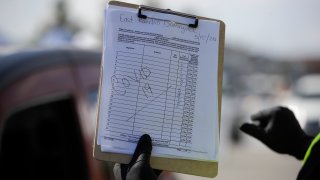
(120, 171)
(143, 150)
(254, 131)
(264, 116)
(157, 172)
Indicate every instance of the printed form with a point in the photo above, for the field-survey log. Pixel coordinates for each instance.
(159, 78)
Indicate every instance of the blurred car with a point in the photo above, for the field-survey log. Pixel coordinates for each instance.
(260, 91)
(46, 130)
(304, 101)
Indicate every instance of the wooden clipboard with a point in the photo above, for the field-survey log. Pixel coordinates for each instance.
(193, 167)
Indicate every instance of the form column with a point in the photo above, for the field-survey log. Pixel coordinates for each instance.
(150, 114)
(124, 92)
(188, 110)
(170, 97)
(176, 130)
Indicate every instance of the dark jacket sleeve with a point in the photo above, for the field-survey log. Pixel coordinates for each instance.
(311, 167)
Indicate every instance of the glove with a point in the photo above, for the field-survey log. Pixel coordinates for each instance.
(139, 167)
(279, 130)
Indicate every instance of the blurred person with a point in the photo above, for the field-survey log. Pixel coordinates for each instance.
(279, 129)
(62, 31)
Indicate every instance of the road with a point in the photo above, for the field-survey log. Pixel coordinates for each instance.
(252, 163)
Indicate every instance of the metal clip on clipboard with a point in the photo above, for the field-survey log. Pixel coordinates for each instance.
(168, 11)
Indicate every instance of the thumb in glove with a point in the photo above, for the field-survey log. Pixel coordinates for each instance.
(139, 167)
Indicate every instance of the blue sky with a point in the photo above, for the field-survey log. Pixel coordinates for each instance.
(281, 29)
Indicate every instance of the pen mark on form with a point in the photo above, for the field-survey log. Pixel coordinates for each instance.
(149, 103)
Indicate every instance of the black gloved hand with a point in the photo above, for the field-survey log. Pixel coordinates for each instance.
(139, 167)
(279, 130)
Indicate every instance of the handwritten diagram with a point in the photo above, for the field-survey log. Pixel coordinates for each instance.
(153, 91)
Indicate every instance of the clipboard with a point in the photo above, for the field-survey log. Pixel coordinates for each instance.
(186, 166)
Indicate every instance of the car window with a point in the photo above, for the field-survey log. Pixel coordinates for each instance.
(43, 142)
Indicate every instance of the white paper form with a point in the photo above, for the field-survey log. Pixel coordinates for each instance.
(159, 78)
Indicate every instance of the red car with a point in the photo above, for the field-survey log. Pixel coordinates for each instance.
(47, 107)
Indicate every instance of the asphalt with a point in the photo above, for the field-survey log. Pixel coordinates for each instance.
(253, 162)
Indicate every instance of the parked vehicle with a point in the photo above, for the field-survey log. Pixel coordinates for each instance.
(305, 102)
(46, 129)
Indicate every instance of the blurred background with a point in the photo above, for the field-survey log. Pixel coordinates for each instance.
(50, 52)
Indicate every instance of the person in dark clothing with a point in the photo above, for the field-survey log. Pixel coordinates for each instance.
(279, 129)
